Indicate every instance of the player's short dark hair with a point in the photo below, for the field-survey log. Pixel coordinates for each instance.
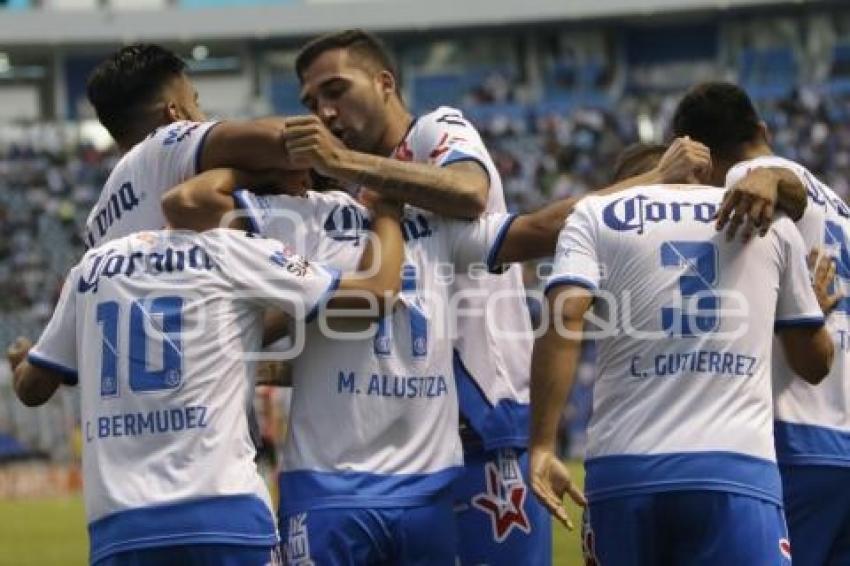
(636, 159)
(132, 77)
(365, 46)
(719, 115)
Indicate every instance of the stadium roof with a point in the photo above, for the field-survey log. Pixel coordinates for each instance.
(69, 27)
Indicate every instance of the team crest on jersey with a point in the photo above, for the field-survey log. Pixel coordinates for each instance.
(297, 546)
(504, 499)
(785, 548)
(294, 264)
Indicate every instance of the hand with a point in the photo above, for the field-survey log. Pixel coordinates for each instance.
(685, 161)
(823, 274)
(311, 145)
(550, 480)
(751, 202)
(17, 351)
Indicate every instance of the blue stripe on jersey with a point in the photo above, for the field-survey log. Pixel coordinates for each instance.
(497, 245)
(326, 296)
(574, 280)
(811, 445)
(235, 519)
(303, 490)
(457, 156)
(501, 426)
(199, 151)
(802, 322)
(69, 376)
(635, 474)
(244, 203)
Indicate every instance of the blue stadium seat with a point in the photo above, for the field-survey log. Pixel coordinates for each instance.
(10, 448)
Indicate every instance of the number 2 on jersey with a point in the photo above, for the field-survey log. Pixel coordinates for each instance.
(164, 314)
(699, 311)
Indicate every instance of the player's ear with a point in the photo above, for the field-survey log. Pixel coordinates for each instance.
(764, 132)
(173, 112)
(387, 84)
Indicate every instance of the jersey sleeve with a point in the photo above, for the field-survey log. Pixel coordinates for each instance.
(175, 151)
(576, 259)
(796, 303)
(56, 349)
(441, 138)
(270, 274)
(477, 242)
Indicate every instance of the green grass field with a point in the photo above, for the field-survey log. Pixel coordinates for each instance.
(50, 532)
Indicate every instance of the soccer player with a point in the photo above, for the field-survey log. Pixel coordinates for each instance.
(439, 163)
(145, 100)
(680, 461)
(376, 489)
(154, 328)
(812, 427)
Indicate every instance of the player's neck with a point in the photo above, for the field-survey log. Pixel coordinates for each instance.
(754, 150)
(398, 123)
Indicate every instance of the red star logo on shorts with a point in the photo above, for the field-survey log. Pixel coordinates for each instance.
(504, 503)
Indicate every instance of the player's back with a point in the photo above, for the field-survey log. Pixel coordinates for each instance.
(164, 387)
(813, 422)
(130, 198)
(683, 393)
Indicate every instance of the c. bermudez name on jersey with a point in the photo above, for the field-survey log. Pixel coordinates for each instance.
(682, 398)
(813, 422)
(130, 199)
(375, 419)
(493, 344)
(156, 325)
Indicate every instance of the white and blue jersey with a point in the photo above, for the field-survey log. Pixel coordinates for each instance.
(813, 422)
(154, 328)
(493, 343)
(131, 197)
(374, 419)
(682, 399)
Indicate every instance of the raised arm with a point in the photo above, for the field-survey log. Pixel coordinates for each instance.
(253, 145)
(752, 201)
(534, 235)
(457, 190)
(553, 367)
(379, 273)
(201, 202)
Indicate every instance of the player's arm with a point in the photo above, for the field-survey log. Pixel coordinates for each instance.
(254, 145)
(200, 203)
(800, 315)
(378, 276)
(456, 190)
(534, 235)
(808, 350)
(752, 201)
(553, 366)
(33, 385)
(685, 161)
